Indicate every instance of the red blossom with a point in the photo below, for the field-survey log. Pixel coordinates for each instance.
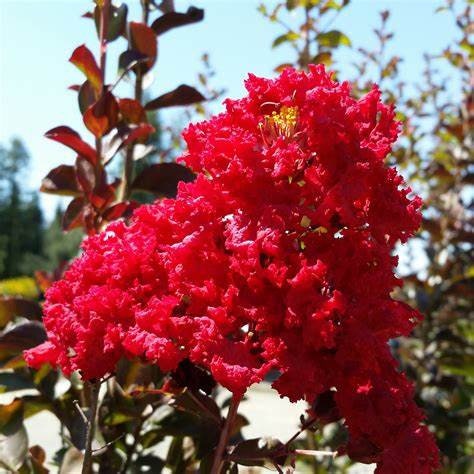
(278, 256)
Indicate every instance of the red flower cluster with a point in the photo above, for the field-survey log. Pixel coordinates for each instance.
(278, 256)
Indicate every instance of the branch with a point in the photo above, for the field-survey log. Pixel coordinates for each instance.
(224, 438)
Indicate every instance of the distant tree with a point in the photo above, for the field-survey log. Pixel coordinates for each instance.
(59, 246)
(21, 218)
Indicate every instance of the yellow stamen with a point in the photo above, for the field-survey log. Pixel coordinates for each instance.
(282, 123)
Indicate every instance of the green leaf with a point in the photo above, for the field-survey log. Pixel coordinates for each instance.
(19, 286)
(462, 365)
(33, 404)
(117, 418)
(152, 437)
(10, 381)
(333, 39)
(324, 57)
(290, 36)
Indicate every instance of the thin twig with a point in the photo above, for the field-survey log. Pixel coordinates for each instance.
(311, 452)
(98, 451)
(81, 412)
(94, 397)
(304, 427)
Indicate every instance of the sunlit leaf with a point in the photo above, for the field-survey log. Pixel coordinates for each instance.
(84, 60)
(286, 37)
(102, 116)
(333, 39)
(137, 133)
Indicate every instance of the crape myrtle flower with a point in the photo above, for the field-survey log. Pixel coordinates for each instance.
(279, 256)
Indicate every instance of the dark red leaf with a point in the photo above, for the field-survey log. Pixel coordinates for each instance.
(67, 136)
(162, 179)
(363, 450)
(21, 337)
(62, 181)
(132, 111)
(129, 59)
(74, 87)
(174, 19)
(138, 133)
(84, 60)
(143, 39)
(72, 217)
(116, 211)
(10, 307)
(100, 118)
(117, 21)
(254, 451)
(101, 197)
(85, 174)
(182, 95)
(86, 96)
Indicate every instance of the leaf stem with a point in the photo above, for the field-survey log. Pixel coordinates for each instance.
(104, 23)
(128, 162)
(307, 424)
(225, 433)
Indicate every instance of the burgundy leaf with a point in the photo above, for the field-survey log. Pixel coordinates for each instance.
(173, 19)
(67, 136)
(182, 95)
(11, 306)
(143, 39)
(72, 217)
(62, 181)
(163, 178)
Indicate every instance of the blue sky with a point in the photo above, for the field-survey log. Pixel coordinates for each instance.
(38, 36)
